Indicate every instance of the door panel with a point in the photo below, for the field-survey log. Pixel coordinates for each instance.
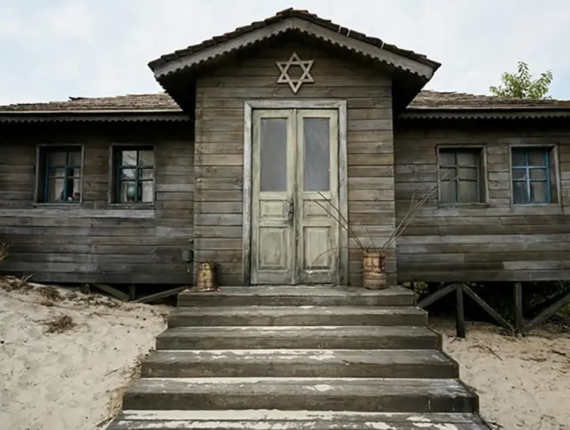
(294, 163)
(273, 164)
(317, 179)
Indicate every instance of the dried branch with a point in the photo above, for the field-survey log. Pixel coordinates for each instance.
(338, 219)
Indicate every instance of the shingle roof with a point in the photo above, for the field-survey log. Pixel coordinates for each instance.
(129, 102)
(425, 100)
(281, 16)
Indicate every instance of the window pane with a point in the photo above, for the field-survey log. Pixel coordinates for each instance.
(537, 157)
(146, 174)
(146, 158)
(147, 191)
(128, 192)
(127, 174)
(128, 158)
(519, 157)
(447, 158)
(468, 173)
(538, 192)
(316, 136)
(466, 158)
(56, 173)
(447, 174)
(520, 192)
(519, 174)
(57, 158)
(448, 191)
(538, 174)
(468, 192)
(55, 190)
(273, 157)
(74, 158)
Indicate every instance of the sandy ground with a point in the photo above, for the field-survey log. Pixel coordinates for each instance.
(523, 383)
(73, 377)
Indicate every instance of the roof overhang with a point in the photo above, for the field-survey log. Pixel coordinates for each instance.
(409, 71)
(506, 113)
(170, 115)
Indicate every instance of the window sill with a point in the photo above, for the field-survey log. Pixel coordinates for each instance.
(464, 205)
(59, 205)
(132, 206)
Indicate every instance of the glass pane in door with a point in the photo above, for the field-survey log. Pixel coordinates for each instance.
(273, 157)
(316, 136)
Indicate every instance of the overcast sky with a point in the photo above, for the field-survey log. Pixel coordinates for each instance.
(53, 49)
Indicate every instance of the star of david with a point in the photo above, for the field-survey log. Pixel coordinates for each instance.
(305, 66)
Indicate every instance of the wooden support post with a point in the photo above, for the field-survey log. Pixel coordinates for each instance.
(548, 312)
(494, 314)
(460, 312)
(519, 319)
(132, 292)
(112, 291)
(437, 295)
(161, 295)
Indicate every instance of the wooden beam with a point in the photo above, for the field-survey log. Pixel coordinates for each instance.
(519, 318)
(132, 292)
(460, 312)
(548, 312)
(494, 314)
(437, 295)
(161, 295)
(112, 291)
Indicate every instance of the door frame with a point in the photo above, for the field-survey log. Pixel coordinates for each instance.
(249, 106)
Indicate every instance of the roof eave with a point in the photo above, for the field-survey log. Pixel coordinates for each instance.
(514, 113)
(189, 60)
(167, 115)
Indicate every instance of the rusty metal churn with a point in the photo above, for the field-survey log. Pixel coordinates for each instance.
(374, 270)
(206, 280)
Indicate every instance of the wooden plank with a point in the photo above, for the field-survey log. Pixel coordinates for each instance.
(494, 314)
(548, 312)
(460, 311)
(112, 291)
(437, 295)
(519, 318)
(162, 295)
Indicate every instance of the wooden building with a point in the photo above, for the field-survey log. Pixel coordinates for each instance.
(252, 128)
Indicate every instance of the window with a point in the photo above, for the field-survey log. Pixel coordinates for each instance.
(133, 175)
(461, 178)
(533, 173)
(60, 172)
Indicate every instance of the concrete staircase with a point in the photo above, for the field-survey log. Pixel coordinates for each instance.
(289, 358)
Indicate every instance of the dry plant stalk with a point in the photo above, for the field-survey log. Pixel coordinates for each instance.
(415, 206)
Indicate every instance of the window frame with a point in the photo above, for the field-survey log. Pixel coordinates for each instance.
(41, 172)
(481, 174)
(114, 182)
(553, 162)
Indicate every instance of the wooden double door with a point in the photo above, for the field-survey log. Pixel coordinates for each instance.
(295, 197)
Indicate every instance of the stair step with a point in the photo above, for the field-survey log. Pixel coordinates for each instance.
(294, 420)
(298, 296)
(297, 316)
(346, 394)
(300, 363)
(294, 337)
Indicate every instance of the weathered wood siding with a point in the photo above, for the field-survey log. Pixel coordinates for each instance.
(490, 242)
(97, 242)
(219, 150)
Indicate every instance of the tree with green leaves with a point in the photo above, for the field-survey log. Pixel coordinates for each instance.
(521, 85)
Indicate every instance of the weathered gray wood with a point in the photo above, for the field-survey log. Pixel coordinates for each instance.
(519, 318)
(112, 291)
(460, 311)
(158, 296)
(548, 312)
(437, 295)
(494, 314)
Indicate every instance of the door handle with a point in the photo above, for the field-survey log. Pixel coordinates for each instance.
(291, 211)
